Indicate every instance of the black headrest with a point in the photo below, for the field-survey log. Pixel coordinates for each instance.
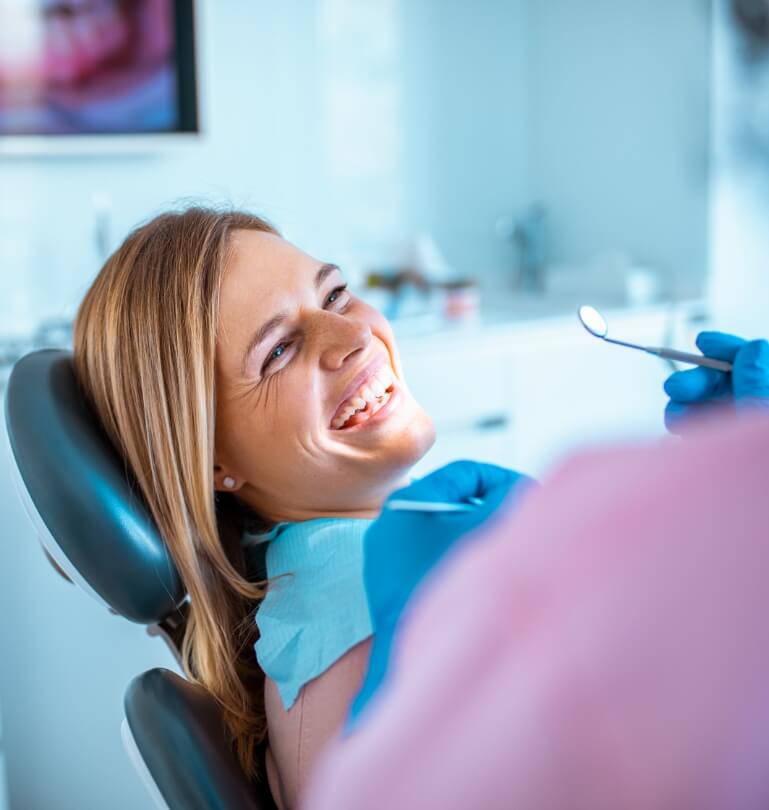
(79, 487)
(178, 731)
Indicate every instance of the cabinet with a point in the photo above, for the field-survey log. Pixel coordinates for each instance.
(464, 385)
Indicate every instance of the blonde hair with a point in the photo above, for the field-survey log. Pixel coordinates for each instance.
(144, 345)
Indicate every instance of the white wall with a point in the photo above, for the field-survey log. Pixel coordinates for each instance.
(619, 129)
(354, 125)
(348, 124)
(467, 106)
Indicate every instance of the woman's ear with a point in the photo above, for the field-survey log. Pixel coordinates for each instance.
(225, 481)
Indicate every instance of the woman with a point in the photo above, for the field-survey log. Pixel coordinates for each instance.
(243, 383)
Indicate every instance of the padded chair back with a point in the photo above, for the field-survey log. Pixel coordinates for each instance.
(88, 513)
(93, 522)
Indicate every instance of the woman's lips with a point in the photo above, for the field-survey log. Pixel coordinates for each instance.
(359, 381)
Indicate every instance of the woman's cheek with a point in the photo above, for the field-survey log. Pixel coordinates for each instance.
(382, 329)
(299, 406)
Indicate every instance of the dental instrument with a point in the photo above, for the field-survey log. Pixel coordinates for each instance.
(402, 505)
(596, 324)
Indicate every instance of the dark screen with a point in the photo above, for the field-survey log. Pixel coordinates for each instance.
(75, 67)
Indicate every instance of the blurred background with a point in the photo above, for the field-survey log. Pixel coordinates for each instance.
(478, 170)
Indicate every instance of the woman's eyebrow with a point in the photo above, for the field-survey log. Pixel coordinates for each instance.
(261, 333)
(325, 271)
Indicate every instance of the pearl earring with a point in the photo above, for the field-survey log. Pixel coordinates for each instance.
(228, 482)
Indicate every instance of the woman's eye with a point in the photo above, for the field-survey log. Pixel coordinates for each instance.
(275, 354)
(337, 294)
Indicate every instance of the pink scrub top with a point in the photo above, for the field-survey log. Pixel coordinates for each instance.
(605, 646)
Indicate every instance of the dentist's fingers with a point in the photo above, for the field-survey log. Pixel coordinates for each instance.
(696, 384)
(719, 345)
(677, 416)
(751, 372)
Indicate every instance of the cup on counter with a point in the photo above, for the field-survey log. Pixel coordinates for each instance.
(462, 300)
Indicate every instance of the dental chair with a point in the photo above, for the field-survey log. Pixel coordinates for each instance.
(98, 533)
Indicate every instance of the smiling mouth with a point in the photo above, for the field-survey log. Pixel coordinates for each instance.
(370, 398)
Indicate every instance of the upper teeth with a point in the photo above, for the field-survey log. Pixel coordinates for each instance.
(373, 390)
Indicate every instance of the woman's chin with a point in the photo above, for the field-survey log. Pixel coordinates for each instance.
(425, 437)
(410, 444)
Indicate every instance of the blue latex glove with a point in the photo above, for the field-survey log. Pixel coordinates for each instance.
(694, 390)
(400, 547)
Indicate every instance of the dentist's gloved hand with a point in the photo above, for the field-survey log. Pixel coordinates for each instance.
(696, 389)
(401, 547)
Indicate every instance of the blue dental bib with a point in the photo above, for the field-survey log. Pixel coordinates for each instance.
(315, 609)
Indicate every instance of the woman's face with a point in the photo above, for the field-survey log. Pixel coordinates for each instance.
(313, 416)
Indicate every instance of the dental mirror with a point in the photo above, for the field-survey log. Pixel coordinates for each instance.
(593, 321)
(596, 324)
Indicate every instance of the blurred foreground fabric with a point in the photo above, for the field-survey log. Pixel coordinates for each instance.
(604, 646)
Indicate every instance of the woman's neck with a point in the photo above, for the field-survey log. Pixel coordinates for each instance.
(367, 508)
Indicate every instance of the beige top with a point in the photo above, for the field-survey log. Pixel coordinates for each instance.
(297, 736)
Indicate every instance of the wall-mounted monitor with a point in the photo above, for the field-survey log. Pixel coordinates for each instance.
(96, 75)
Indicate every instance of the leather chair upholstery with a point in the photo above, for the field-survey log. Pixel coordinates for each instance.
(178, 729)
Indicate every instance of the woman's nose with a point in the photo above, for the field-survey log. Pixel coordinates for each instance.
(343, 337)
